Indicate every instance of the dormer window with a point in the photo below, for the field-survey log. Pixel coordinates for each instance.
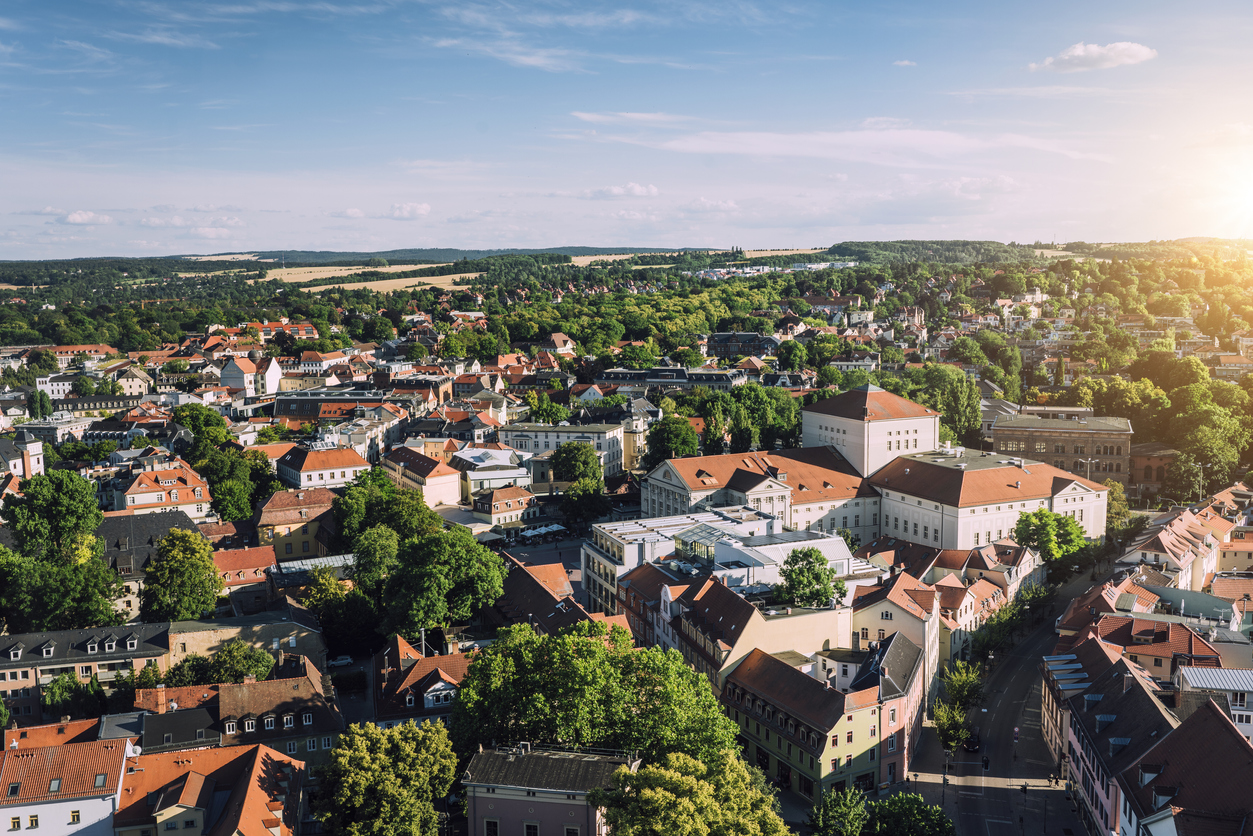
(47, 652)
(409, 700)
(251, 725)
(289, 721)
(92, 647)
(230, 727)
(110, 645)
(132, 644)
(15, 654)
(269, 723)
(306, 719)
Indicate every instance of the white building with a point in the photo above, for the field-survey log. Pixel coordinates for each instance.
(255, 375)
(870, 427)
(68, 788)
(606, 439)
(959, 499)
(320, 466)
(1236, 684)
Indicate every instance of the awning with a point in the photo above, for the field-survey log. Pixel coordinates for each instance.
(556, 527)
(487, 536)
(527, 533)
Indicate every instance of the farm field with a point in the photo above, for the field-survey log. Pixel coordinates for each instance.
(305, 274)
(386, 285)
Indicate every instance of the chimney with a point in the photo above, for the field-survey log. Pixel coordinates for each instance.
(1127, 680)
(161, 699)
(250, 678)
(27, 464)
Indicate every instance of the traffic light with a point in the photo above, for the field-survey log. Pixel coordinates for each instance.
(985, 763)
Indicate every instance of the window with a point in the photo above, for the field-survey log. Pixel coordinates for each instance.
(230, 727)
(886, 615)
(289, 721)
(54, 785)
(14, 789)
(74, 817)
(848, 738)
(1157, 663)
(132, 644)
(169, 738)
(304, 547)
(572, 831)
(291, 747)
(291, 641)
(326, 743)
(312, 744)
(34, 822)
(882, 635)
(85, 670)
(892, 743)
(287, 548)
(1239, 699)
(530, 829)
(306, 719)
(188, 824)
(171, 825)
(250, 725)
(92, 647)
(100, 779)
(274, 643)
(491, 828)
(15, 823)
(269, 723)
(892, 716)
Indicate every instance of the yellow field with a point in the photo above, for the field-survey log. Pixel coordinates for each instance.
(584, 260)
(386, 285)
(761, 253)
(1053, 253)
(304, 274)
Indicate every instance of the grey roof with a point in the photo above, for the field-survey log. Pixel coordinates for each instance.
(71, 646)
(1087, 424)
(1218, 679)
(543, 770)
(891, 666)
(131, 541)
(187, 728)
(115, 726)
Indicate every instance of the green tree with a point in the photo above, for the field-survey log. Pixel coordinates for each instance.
(375, 557)
(808, 581)
(1054, 536)
(373, 499)
(182, 581)
(207, 426)
(745, 434)
(55, 515)
(576, 460)
(791, 356)
(637, 357)
(839, 813)
(543, 410)
(588, 686)
(83, 386)
(907, 814)
(685, 797)
(378, 330)
(670, 438)
(385, 782)
(950, 725)
(963, 685)
(192, 669)
(442, 578)
(715, 434)
(65, 695)
(584, 502)
(39, 595)
(415, 351)
(829, 376)
(122, 696)
(237, 660)
(1117, 511)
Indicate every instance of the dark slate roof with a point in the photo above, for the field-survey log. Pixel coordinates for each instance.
(800, 695)
(182, 726)
(890, 667)
(131, 541)
(70, 646)
(562, 771)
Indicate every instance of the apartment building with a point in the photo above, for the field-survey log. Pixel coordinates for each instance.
(321, 465)
(903, 604)
(606, 439)
(410, 469)
(298, 522)
(1095, 448)
(66, 788)
(409, 686)
(1181, 545)
(1233, 685)
(1064, 676)
(175, 488)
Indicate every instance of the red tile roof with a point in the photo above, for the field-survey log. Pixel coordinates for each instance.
(302, 460)
(34, 769)
(869, 403)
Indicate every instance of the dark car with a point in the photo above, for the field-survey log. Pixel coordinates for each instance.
(973, 743)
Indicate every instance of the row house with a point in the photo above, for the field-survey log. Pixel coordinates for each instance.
(1234, 686)
(412, 470)
(321, 466)
(1157, 645)
(903, 604)
(69, 787)
(1065, 675)
(1180, 545)
(297, 522)
(741, 344)
(69, 354)
(411, 687)
(29, 661)
(254, 375)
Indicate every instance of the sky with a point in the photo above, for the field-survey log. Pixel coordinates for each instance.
(149, 127)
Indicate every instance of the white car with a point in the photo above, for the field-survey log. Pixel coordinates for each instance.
(340, 662)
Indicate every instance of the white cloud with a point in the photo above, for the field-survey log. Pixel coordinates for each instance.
(1081, 57)
(84, 218)
(518, 53)
(904, 63)
(704, 204)
(629, 118)
(227, 221)
(407, 211)
(164, 36)
(209, 207)
(6, 23)
(47, 210)
(208, 232)
(629, 190)
(348, 213)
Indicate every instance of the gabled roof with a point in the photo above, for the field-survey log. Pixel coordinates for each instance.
(890, 668)
(904, 590)
(52, 734)
(131, 541)
(716, 610)
(424, 466)
(814, 474)
(70, 768)
(870, 403)
(984, 480)
(303, 460)
(795, 692)
(560, 771)
(399, 670)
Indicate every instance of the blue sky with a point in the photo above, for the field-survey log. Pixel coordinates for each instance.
(136, 127)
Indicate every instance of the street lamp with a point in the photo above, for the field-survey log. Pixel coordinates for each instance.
(1089, 462)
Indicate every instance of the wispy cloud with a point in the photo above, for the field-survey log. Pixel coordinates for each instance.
(613, 192)
(164, 36)
(84, 218)
(879, 123)
(626, 118)
(1082, 57)
(208, 233)
(9, 24)
(47, 210)
(348, 213)
(407, 211)
(91, 51)
(904, 62)
(518, 53)
(176, 221)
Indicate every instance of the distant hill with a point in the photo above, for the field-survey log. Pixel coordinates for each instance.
(947, 252)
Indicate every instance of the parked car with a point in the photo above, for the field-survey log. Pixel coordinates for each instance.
(340, 662)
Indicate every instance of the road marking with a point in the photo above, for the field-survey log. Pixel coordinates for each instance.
(991, 822)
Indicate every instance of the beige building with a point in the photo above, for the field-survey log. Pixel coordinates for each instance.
(411, 470)
(606, 439)
(1095, 448)
(291, 630)
(869, 427)
(296, 522)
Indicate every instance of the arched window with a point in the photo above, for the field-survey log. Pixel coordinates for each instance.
(1148, 473)
(1119, 450)
(1118, 467)
(1161, 473)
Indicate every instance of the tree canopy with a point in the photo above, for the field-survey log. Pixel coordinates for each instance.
(808, 579)
(182, 581)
